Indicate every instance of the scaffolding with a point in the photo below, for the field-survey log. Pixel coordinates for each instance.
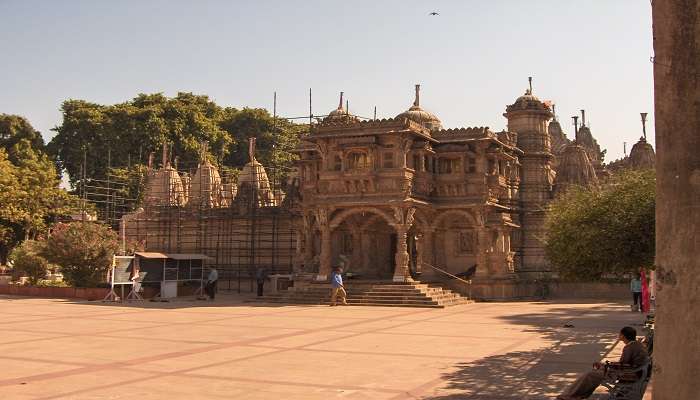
(243, 220)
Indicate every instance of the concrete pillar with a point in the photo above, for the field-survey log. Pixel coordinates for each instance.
(401, 272)
(677, 109)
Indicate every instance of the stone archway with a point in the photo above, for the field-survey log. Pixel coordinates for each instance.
(366, 238)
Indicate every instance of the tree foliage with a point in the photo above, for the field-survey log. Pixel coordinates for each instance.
(30, 196)
(27, 260)
(132, 130)
(14, 129)
(593, 234)
(83, 250)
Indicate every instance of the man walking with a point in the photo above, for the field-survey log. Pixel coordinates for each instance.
(636, 289)
(212, 280)
(337, 288)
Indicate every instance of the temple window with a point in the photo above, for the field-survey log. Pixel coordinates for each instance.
(471, 164)
(449, 165)
(337, 163)
(358, 160)
(416, 162)
(388, 160)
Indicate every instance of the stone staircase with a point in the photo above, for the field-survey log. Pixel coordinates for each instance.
(387, 294)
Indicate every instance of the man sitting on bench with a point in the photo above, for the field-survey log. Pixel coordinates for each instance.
(634, 355)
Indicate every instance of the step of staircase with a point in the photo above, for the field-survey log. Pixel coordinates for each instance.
(385, 294)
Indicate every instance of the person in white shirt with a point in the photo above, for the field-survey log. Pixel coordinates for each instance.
(212, 279)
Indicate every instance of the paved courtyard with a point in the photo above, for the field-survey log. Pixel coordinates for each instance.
(60, 349)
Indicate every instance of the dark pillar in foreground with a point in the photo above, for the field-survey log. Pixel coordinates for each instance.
(677, 106)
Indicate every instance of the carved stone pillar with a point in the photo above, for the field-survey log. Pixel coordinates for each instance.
(308, 237)
(484, 246)
(401, 271)
(326, 254)
(404, 217)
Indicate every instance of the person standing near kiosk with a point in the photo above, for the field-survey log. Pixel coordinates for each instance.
(211, 282)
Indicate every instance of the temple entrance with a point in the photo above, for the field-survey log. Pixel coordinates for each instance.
(366, 244)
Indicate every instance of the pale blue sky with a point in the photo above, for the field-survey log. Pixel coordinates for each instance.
(472, 60)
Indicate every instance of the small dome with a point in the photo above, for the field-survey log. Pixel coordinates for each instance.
(421, 116)
(340, 114)
(528, 101)
(642, 155)
(575, 169)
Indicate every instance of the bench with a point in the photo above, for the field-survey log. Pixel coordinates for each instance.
(626, 383)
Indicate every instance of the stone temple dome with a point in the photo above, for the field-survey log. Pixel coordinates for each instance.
(164, 187)
(575, 169)
(642, 155)
(205, 186)
(340, 114)
(556, 135)
(253, 184)
(529, 102)
(421, 116)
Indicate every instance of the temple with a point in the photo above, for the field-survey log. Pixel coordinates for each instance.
(399, 199)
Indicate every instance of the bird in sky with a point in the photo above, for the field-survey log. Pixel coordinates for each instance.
(434, 13)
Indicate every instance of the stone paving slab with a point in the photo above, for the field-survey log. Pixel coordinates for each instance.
(229, 349)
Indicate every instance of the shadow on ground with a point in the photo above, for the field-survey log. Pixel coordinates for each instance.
(542, 373)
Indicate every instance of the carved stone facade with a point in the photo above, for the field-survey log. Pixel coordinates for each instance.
(392, 199)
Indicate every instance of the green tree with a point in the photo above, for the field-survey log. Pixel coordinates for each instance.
(30, 196)
(83, 250)
(27, 260)
(9, 210)
(130, 131)
(593, 234)
(14, 129)
(125, 134)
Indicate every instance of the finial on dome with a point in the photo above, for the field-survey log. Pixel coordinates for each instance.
(624, 148)
(644, 124)
(340, 104)
(583, 118)
(251, 149)
(416, 102)
(554, 111)
(575, 118)
(529, 80)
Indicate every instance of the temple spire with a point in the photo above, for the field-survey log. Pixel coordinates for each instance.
(251, 147)
(340, 104)
(644, 124)
(416, 102)
(554, 111)
(529, 80)
(583, 118)
(575, 118)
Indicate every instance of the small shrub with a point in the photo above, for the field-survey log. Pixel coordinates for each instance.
(83, 250)
(28, 261)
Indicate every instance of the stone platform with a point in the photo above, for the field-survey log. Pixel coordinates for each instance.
(229, 349)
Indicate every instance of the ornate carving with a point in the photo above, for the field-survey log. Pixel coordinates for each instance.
(404, 216)
(321, 214)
